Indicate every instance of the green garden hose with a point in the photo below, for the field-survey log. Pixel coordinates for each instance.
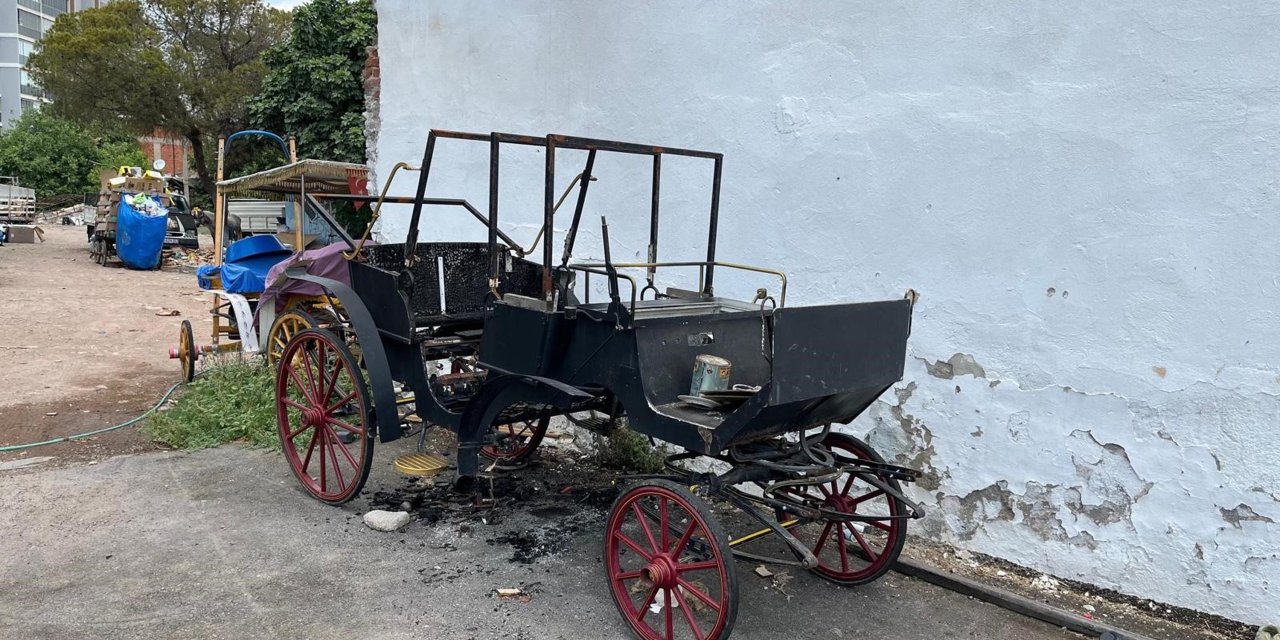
(32, 445)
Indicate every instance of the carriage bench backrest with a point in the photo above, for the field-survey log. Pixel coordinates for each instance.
(399, 304)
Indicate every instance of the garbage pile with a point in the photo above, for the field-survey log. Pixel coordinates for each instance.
(183, 257)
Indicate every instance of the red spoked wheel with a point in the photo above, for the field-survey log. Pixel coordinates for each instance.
(851, 553)
(323, 416)
(670, 572)
(516, 441)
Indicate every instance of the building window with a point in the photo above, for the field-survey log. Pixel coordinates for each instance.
(25, 49)
(54, 8)
(29, 87)
(29, 105)
(29, 24)
(30, 4)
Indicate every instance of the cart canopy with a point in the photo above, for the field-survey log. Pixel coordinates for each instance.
(318, 176)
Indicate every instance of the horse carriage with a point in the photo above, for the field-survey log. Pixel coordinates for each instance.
(494, 340)
(249, 314)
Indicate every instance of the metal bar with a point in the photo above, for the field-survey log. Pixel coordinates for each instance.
(653, 217)
(548, 215)
(333, 224)
(493, 211)
(577, 209)
(574, 142)
(411, 240)
(782, 295)
(564, 195)
(708, 286)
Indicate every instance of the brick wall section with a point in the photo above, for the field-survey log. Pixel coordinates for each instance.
(372, 77)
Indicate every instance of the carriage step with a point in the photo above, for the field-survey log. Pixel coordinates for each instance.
(421, 464)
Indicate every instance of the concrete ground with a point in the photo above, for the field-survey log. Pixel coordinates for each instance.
(223, 544)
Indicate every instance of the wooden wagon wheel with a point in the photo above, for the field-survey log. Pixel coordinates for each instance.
(321, 401)
(286, 326)
(187, 354)
(668, 562)
(515, 441)
(851, 553)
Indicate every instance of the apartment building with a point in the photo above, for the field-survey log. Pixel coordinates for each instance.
(22, 24)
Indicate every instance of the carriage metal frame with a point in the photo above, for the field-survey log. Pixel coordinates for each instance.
(529, 350)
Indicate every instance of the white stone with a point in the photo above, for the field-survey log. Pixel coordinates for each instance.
(387, 520)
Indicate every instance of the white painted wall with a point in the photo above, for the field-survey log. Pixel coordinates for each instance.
(1084, 193)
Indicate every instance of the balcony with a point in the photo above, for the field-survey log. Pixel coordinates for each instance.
(31, 90)
(34, 5)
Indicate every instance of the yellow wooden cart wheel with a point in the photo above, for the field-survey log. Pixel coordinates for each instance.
(286, 326)
(187, 354)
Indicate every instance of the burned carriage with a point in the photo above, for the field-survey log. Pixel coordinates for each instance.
(493, 344)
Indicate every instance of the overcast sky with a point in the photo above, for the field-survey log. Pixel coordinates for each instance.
(285, 4)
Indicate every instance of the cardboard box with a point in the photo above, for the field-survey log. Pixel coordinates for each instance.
(24, 234)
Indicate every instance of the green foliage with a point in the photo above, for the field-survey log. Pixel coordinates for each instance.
(626, 450)
(56, 156)
(233, 401)
(185, 66)
(314, 87)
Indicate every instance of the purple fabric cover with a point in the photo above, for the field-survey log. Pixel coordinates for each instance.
(326, 262)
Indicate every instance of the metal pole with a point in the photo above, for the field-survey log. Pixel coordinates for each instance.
(548, 216)
(653, 215)
(577, 209)
(494, 147)
(411, 240)
(708, 287)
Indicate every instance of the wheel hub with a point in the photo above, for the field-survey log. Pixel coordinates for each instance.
(661, 571)
(313, 417)
(842, 503)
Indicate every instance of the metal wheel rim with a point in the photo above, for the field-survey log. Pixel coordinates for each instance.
(522, 436)
(671, 621)
(319, 391)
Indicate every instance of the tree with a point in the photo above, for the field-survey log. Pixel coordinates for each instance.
(314, 90)
(184, 66)
(313, 87)
(59, 157)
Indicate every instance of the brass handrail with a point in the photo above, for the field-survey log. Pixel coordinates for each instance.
(377, 209)
(782, 295)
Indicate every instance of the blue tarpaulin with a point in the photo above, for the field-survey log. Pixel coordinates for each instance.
(139, 235)
(246, 265)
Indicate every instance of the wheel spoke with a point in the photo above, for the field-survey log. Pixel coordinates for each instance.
(346, 452)
(698, 566)
(297, 381)
(324, 479)
(330, 439)
(345, 399)
(662, 521)
(332, 384)
(881, 526)
(294, 434)
(294, 403)
(648, 600)
(632, 543)
(666, 598)
(648, 534)
(874, 494)
(848, 484)
(688, 616)
(697, 593)
(309, 363)
(684, 539)
(844, 551)
(822, 539)
(871, 555)
(332, 421)
(311, 447)
(629, 575)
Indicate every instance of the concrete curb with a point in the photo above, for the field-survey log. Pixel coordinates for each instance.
(1013, 602)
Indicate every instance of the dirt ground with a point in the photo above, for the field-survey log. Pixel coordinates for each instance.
(83, 342)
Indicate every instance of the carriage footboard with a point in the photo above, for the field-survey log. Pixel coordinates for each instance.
(833, 349)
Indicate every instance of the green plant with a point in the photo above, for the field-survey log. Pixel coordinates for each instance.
(626, 450)
(232, 401)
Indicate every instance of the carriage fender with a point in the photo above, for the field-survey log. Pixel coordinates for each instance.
(387, 420)
(498, 393)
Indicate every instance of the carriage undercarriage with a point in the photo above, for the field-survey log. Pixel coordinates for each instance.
(493, 346)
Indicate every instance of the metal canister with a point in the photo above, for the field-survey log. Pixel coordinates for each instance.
(710, 373)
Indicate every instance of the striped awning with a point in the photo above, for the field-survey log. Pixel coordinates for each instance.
(316, 176)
